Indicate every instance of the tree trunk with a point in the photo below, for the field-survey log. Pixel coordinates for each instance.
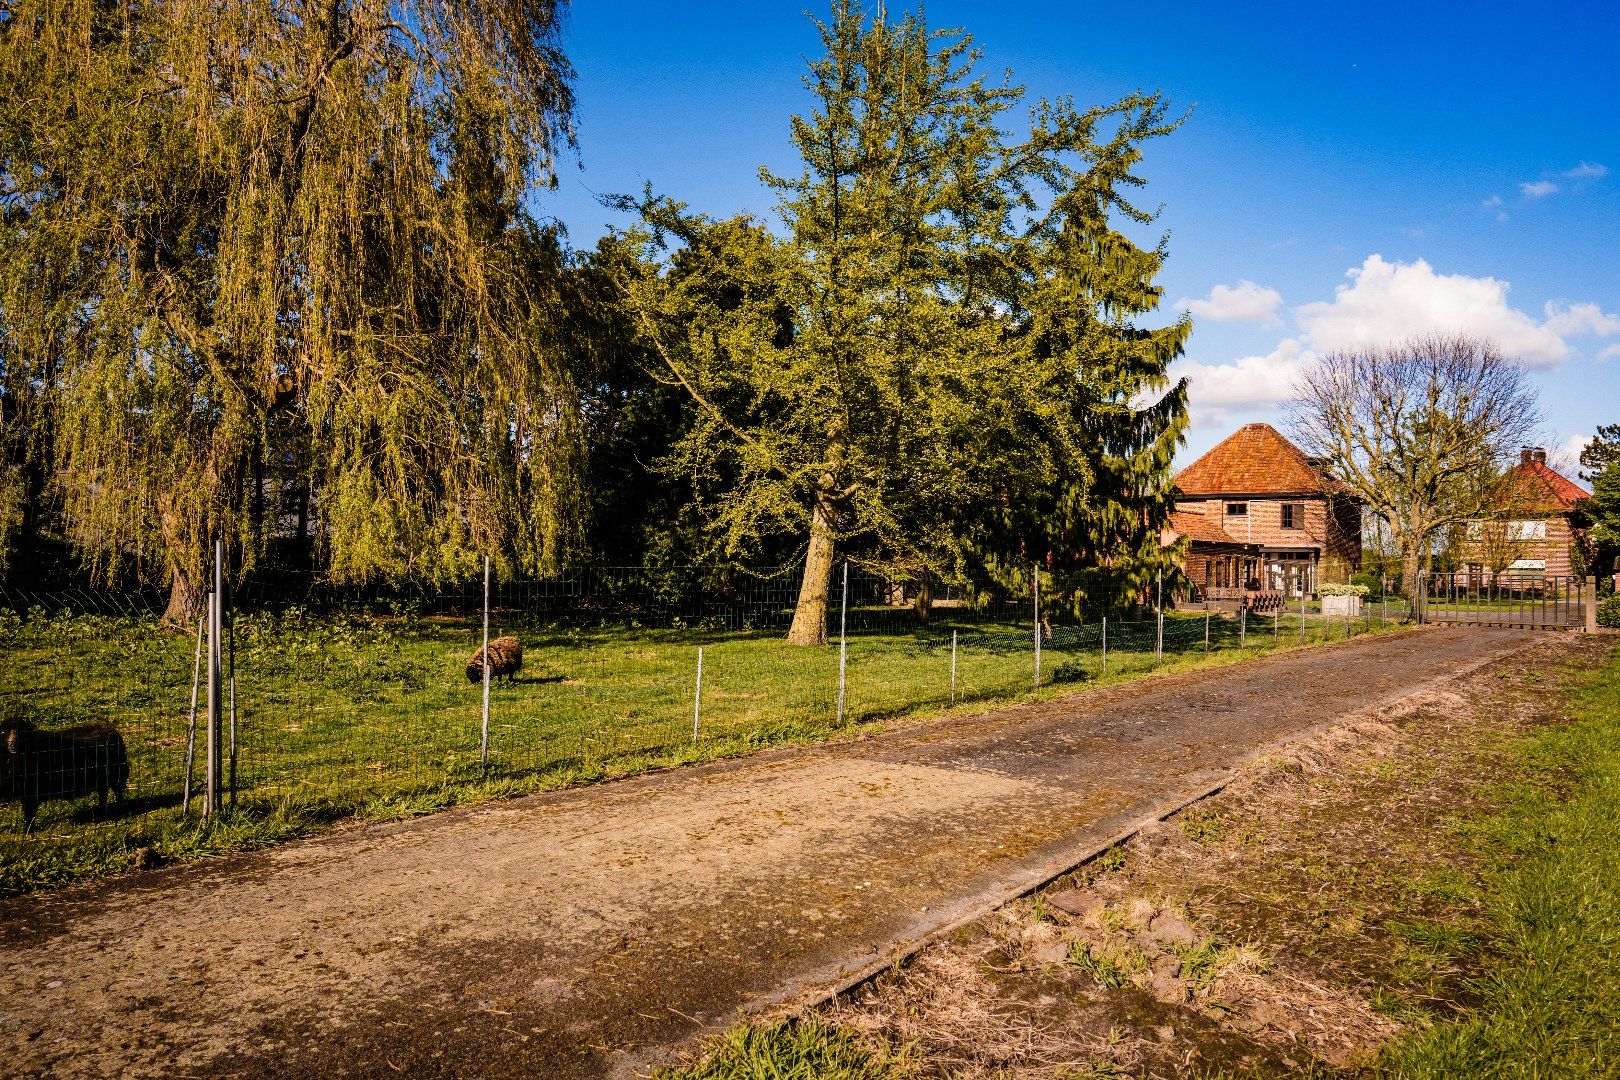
(810, 616)
(1414, 566)
(925, 599)
(186, 601)
(1410, 571)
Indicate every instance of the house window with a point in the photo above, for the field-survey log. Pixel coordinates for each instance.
(1237, 509)
(1293, 515)
(1528, 530)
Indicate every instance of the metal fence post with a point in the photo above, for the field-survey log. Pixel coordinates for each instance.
(191, 726)
(210, 707)
(843, 640)
(1105, 645)
(953, 667)
(230, 647)
(1243, 627)
(215, 689)
(697, 696)
(483, 741)
(1037, 627)
(1206, 626)
(1158, 605)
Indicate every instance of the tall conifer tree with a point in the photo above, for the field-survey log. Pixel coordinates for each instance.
(939, 363)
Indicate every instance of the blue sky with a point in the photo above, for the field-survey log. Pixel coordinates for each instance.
(1349, 172)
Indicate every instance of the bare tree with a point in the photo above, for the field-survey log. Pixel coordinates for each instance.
(1418, 430)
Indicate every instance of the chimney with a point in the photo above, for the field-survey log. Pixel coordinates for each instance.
(1539, 454)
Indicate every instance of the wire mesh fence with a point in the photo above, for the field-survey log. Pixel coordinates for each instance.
(364, 702)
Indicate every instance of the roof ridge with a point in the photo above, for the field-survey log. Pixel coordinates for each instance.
(1564, 491)
(1256, 459)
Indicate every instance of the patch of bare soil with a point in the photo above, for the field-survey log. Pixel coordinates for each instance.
(1292, 922)
(591, 931)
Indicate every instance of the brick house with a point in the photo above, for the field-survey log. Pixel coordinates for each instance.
(1535, 538)
(1259, 515)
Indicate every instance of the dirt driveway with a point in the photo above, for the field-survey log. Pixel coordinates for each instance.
(582, 933)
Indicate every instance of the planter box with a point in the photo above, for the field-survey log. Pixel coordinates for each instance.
(1341, 605)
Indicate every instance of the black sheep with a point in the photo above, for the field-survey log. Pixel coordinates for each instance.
(37, 766)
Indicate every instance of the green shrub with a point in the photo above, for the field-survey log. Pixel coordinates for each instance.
(1330, 589)
(1373, 583)
(1608, 612)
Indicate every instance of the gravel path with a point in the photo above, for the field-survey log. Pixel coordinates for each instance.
(582, 933)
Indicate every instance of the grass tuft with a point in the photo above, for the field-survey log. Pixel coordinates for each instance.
(793, 1050)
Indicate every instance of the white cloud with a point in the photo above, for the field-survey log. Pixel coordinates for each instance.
(1569, 320)
(1570, 451)
(1245, 302)
(1539, 190)
(1383, 303)
(1587, 170)
(1389, 301)
(1491, 203)
(1244, 386)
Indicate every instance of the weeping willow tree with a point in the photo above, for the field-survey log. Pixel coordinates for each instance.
(257, 247)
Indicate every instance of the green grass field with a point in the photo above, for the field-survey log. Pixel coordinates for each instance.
(1549, 1006)
(374, 717)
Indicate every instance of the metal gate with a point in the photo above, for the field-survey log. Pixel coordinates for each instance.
(1551, 603)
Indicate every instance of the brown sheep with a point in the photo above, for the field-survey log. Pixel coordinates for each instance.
(505, 658)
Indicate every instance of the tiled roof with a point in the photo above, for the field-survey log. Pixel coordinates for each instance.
(1195, 526)
(1254, 460)
(1545, 488)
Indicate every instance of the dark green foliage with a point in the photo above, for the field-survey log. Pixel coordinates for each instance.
(1602, 511)
(937, 366)
(1602, 452)
(1373, 582)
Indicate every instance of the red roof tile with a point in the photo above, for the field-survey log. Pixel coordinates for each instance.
(1545, 488)
(1254, 460)
(1195, 526)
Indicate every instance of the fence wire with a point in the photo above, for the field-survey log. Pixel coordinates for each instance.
(363, 702)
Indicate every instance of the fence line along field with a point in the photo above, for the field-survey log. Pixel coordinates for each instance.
(373, 713)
